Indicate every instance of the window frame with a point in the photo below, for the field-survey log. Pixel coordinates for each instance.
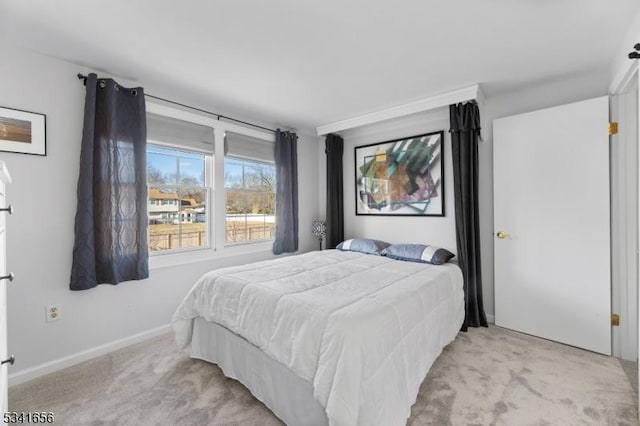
(247, 190)
(217, 197)
(207, 188)
(208, 178)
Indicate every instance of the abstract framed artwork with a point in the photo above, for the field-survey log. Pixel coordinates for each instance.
(402, 177)
(22, 132)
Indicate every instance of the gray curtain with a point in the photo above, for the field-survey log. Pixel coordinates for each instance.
(111, 219)
(465, 130)
(286, 151)
(334, 146)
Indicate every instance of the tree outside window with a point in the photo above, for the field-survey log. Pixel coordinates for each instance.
(178, 199)
(250, 200)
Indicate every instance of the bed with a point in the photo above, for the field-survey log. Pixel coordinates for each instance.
(327, 337)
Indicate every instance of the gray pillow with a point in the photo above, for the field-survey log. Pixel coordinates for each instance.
(363, 245)
(418, 253)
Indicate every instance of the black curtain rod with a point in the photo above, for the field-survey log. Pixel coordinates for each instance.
(219, 116)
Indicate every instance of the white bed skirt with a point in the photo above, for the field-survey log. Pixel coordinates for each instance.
(287, 395)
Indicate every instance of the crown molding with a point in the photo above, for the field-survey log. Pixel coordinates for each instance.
(426, 104)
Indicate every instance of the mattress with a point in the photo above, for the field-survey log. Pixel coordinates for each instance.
(363, 330)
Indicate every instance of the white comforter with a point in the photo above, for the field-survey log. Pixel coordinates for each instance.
(363, 329)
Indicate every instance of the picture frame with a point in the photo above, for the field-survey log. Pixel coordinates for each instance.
(22, 132)
(401, 177)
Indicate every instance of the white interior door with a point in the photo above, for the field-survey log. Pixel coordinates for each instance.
(551, 216)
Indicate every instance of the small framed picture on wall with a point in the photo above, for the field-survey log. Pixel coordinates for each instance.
(402, 177)
(22, 132)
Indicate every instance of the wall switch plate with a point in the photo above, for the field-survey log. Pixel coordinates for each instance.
(54, 312)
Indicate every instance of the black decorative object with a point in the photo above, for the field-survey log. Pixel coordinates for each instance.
(215, 114)
(319, 229)
(636, 54)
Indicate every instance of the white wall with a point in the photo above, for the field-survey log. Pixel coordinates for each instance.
(40, 233)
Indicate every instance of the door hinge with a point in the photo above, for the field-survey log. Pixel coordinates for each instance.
(615, 320)
(613, 128)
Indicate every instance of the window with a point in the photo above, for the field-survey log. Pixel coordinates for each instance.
(250, 200)
(179, 198)
(190, 210)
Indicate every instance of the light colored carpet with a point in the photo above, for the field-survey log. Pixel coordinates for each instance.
(485, 377)
(631, 370)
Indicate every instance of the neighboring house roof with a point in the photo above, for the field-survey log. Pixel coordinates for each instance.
(156, 194)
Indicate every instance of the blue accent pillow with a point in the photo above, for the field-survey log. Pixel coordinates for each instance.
(418, 253)
(363, 245)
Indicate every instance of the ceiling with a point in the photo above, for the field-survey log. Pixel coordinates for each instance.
(307, 63)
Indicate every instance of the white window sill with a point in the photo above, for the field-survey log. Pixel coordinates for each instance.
(161, 260)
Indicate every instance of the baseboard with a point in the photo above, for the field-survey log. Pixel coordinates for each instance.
(67, 361)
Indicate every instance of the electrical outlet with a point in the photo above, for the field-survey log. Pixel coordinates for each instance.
(54, 312)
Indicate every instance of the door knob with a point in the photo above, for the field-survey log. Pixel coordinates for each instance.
(502, 235)
(9, 277)
(8, 209)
